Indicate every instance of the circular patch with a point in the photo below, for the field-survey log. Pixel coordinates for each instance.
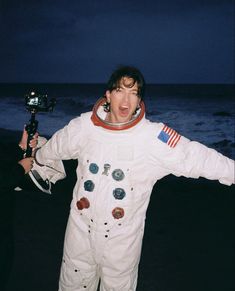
(93, 168)
(89, 186)
(83, 203)
(118, 175)
(118, 212)
(119, 193)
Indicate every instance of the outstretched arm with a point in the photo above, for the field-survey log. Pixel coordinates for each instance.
(190, 158)
(199, 160)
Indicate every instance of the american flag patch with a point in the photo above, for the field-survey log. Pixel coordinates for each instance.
(169, 136)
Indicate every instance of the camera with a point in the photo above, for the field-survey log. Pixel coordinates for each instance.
(36, 102)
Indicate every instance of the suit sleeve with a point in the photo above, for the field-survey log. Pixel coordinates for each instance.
(192, 159)
(197, 160)
(63, 145)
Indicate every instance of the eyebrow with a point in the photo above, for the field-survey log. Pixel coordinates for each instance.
(131, 89)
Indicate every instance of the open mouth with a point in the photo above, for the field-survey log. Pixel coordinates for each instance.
(124, 110)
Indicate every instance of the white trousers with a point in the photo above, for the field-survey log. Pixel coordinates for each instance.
(90, 256)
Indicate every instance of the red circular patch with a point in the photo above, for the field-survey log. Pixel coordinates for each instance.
(118, 212)
(83, 203)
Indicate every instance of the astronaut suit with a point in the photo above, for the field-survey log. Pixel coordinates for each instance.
(117, 168)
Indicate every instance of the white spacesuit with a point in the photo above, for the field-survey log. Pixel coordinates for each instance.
(117, 168)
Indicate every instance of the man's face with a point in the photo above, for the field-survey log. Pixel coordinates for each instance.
(123, 101)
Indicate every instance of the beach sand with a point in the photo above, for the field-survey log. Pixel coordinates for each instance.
(188, 243)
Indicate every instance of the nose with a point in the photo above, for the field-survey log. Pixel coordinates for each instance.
(125, 97)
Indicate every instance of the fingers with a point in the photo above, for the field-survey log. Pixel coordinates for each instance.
(33, 142)
(27, 164)
(31, 160)
(23, 141)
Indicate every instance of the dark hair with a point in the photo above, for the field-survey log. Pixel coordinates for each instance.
(129, 72)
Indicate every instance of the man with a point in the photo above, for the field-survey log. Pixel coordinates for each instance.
(8, 181)
(120, 156)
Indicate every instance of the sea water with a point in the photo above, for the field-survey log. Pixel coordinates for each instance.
(202, 113)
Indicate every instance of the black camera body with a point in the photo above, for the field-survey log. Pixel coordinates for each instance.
(38, 103)
(35, 103)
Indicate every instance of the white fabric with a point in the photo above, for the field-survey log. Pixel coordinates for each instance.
(96, 244)
(53, 171)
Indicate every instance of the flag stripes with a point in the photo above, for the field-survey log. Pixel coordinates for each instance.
(171, 137)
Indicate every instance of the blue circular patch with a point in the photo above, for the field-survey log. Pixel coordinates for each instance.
(93, 168)
(118, 175)
(119, 193)
(89, 186)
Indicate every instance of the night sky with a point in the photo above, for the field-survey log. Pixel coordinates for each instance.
(74, 41)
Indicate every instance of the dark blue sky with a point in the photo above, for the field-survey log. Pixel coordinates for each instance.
(171, 41)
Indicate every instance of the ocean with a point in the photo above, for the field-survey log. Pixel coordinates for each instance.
(205, 113)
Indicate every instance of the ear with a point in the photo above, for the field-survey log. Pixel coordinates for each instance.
(107, 94)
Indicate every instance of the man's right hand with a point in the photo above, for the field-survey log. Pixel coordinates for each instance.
(27, 164)
(23, 142)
